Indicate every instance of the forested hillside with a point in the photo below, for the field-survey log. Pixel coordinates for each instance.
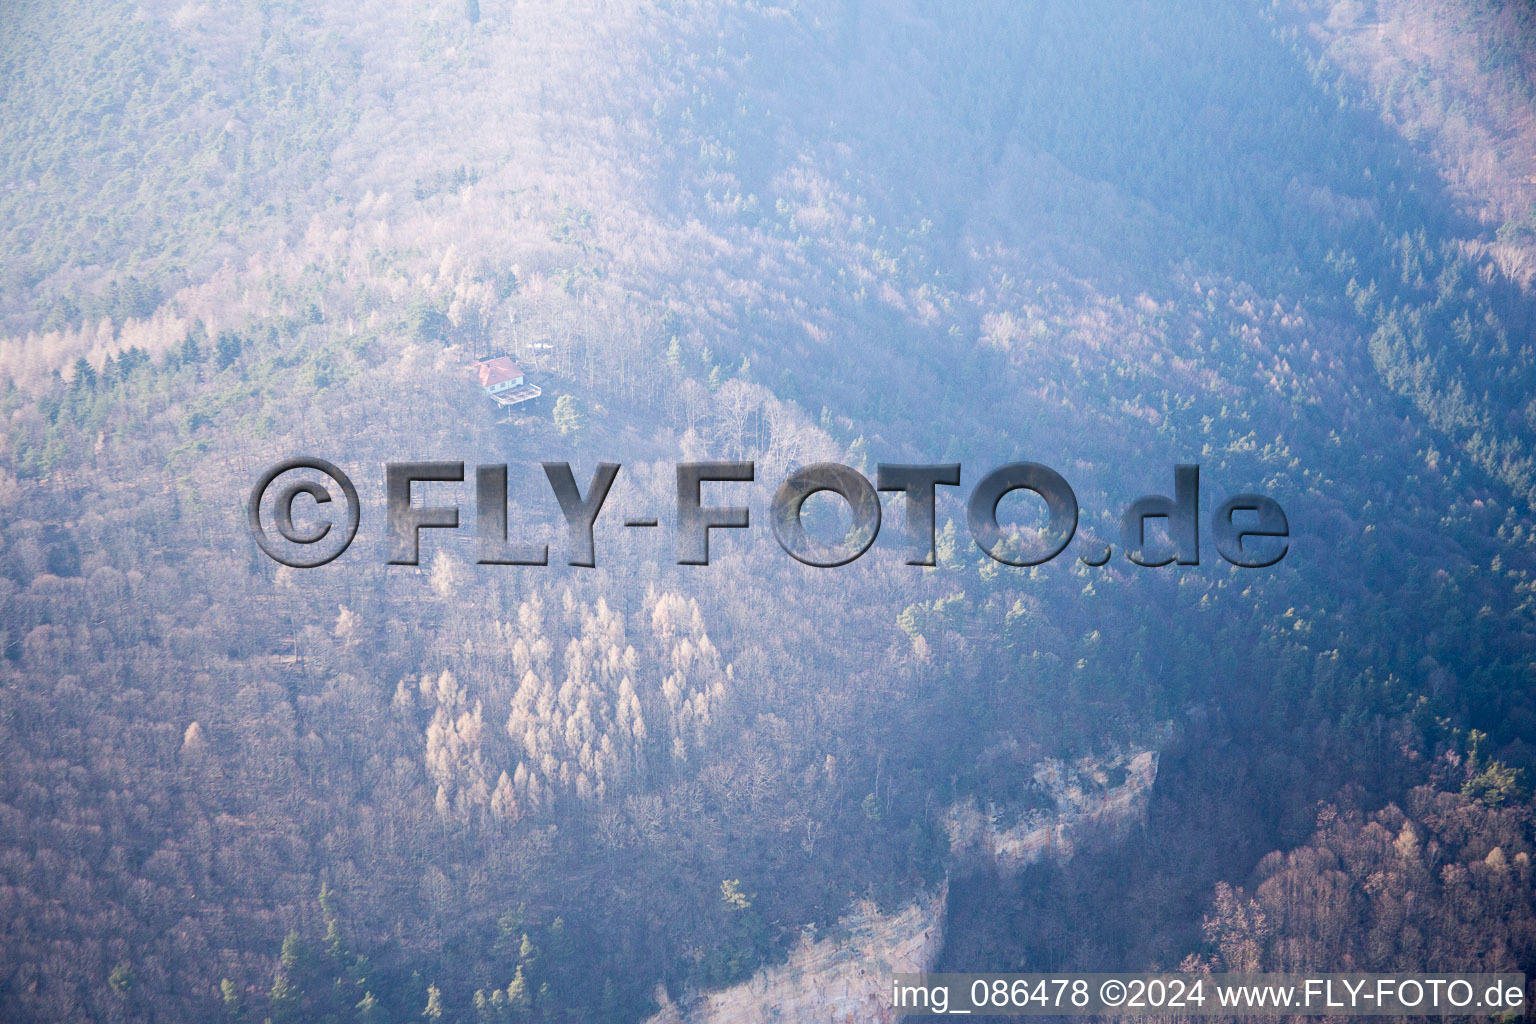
(1286, 242)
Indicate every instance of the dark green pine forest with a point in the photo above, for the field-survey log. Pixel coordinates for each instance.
(1293, 242)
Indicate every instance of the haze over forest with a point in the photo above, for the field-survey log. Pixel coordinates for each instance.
(1293, 242)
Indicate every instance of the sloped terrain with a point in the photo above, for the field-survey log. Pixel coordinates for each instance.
(1108, 239)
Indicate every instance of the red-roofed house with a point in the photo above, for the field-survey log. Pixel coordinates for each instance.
(503, 380)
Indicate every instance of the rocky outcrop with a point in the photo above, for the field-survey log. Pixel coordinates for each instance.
(845, 977)
(1089, 796)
